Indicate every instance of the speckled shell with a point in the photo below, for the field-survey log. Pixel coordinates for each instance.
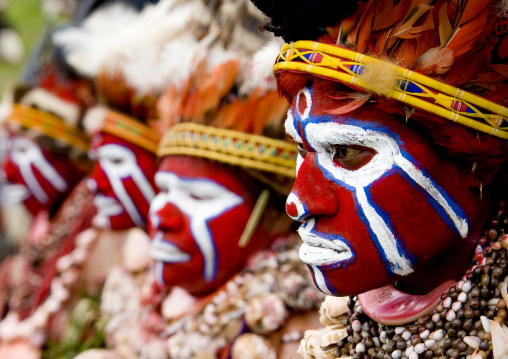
(265, 314)
(310, 345)
(295, 288)
(252, 346)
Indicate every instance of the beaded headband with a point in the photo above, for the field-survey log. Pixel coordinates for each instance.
(131, 130)
(231, 147)
(417, 90)
(48, 125)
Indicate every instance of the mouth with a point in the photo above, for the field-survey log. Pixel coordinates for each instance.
(320, 251)
(14, 193)
(107, 206)
(164, 251)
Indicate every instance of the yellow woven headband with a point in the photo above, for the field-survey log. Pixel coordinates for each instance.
(48, 125)
(131, 130)
(231, 147)
(412, 88)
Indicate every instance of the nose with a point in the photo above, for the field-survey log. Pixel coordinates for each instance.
(99, 177)
(169, 218)
(312, 194)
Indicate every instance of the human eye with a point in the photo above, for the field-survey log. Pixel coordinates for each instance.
(115, 160)
(351, 157)
(201, 196)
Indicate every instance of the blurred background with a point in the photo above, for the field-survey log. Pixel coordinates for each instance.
(21, 24)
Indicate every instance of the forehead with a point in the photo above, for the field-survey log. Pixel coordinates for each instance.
(103, 138)
(202, 169)
(314, 120)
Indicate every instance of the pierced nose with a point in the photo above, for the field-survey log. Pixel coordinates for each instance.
(295, 208)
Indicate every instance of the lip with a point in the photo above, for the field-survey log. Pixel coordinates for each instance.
(107, 206)
(319, 251)
(164, 251)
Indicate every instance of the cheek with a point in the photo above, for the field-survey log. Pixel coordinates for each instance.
(226, 231)
(134, 192)
(12, 171)
(350, 224)
(101, 179)
(411, 213)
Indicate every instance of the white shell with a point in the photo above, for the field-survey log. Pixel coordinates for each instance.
(332, 308)
(333, 337)
(265, 314)
(252, 346)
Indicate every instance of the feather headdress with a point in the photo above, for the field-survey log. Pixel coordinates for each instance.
(213, 108)
(122, 49)
(429, 60)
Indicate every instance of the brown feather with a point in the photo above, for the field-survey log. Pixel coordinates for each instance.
(388, 15)
(466, 68)
(351, 23)
(465, 36)
(420, 19)
(365, 26)
(500, 69)
(445, 26)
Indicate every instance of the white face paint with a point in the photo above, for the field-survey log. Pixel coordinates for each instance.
(119, 163)
(199, 199)
(324, 136)
(27, 155)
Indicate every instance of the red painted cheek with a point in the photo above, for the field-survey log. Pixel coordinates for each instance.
(227, 230)
(102, 181)
(420, 228)
(176, 229)
(366, 268)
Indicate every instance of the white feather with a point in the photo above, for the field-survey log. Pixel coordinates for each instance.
(502, 8)
(261, 67)
(116, 39)
(94, 119)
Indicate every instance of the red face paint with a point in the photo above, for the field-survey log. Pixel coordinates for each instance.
(37, 177)
(378, 203)
(196, 222)
(123, 180)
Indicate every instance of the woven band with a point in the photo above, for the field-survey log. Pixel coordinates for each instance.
(48, 125)
(131, 130)
(417, 90)
(232, 147)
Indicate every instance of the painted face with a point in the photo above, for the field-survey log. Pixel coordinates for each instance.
(196, 222)
(122, 179)
(36, 177)
(377, 203)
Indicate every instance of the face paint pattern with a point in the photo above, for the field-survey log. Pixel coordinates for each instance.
(201, 200)
(119, 163)
(28, 156)
(322, 135)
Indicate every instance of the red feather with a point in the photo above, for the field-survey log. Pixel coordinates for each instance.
(465, 36)
(388, 15)
(420, 19)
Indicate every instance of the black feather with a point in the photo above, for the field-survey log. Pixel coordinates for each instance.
(304, 20)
